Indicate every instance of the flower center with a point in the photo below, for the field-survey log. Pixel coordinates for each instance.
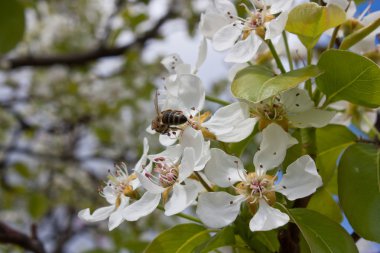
(256, 187)
(271, 111)
(120, 181)
(167, 171)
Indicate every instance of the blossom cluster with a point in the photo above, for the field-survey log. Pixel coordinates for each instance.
(191, 170)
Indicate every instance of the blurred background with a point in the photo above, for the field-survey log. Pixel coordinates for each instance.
(77, 79)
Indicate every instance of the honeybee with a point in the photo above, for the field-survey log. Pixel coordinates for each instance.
(168, 120)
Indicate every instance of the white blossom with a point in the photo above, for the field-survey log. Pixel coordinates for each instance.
(257, 189)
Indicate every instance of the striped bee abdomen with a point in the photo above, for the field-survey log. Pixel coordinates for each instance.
(173, 117)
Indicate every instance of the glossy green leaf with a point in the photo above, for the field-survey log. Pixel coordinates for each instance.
(323, 202)
(269, 239)
(351, 77)
(321, 233)
(331, 141)
(225, 237)
(182, 238)
(12, 24)
(309, 21)
(256, 84)
(249, 81)
(359, 189)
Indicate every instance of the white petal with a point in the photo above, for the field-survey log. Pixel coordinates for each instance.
(211, 22)
(218, 209)
(267, 218)
(187, 164)
(191, 93)
(301, 179)
(142, 207)
(296, 100)
(202, 53)
(116, 217)
(223, 169)
(368, 119)
(226, 37)
(99, 214)
(170, 62)
(142, 161)
(276, 26)
(225, 6)
(149, 185)
(183, 69)
(149, 130)
(231, 123)
(194, 139)
(273, 148)
(279, 5)
(244, 50)
(182, 197)
(311, 118)
(171, 153)
(168, 140)
(109, 194)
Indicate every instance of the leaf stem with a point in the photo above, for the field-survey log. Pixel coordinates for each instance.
(275, 56)
(290, 59)
(203, 182)
(182, 215)
(217, 100)
(333, 37)
(308, 85)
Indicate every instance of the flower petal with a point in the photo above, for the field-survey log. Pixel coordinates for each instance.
(225, 7)
(191, 93)
(194, 139)
(244, 50)
(98, 215)
(218, 209)
(182, 197)
(273, 148)
(172, 153)
(144, 157)
(202, 53)
(166, 140)
(231, 123)
(226, 37)
(296, 100)
(300, 180)
(149, 185)
(267, 218)
(223, 169)
(311, 118)
(211, 22)
(276, 26)
(277, 6)
(187, 164)
(116, 217)
(142, 207)
(109, 194)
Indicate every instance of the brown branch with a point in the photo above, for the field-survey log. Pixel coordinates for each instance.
(91, 55)
(9, 235)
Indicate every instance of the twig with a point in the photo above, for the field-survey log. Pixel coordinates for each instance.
(91, 55)
(9, 235)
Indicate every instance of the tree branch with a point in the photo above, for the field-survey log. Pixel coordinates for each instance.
(91, 55)
(11, 236)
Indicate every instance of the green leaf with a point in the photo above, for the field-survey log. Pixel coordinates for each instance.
(359, 189)
(309, 21)
(321, 233)
(351, 77)
(38, 204)
(256, 84)
(269, 239)
(249, 81)
(358, 35)
(287, 81)
(182, 238)
(331, 140)
(225, 237)
(323, 202)
(12, 24)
